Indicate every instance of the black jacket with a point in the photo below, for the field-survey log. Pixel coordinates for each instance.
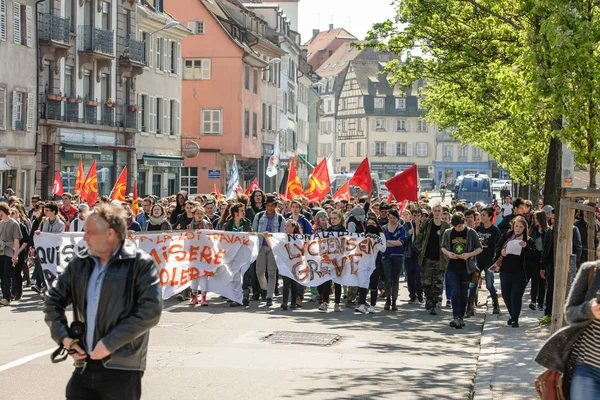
(130, 304)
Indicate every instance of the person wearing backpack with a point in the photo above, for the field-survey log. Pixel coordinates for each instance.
(268, 221)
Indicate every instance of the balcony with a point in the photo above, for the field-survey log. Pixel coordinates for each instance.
(108, 115)
(132, 51)
(130, 116)
(77, 110)
(54, 30)
(96, 41)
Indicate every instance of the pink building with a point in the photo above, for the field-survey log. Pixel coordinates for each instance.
(221, 90)
(324, 43)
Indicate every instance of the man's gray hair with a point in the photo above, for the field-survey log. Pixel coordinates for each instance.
(114, 216)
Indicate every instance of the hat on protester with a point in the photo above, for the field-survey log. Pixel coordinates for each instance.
(424, 212)
(270, 199)
(321, 213)
(548, 209)
(384, 206)
(83, 206)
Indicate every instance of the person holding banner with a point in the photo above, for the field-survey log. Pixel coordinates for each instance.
(268, 221)
(292, 228)
(199, 220)
(372, 228)
(237, 222)
(116, 294)
(395, 235)
(338, 224)
(157, 221)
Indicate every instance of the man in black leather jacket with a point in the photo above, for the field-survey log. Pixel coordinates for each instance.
(115, 291)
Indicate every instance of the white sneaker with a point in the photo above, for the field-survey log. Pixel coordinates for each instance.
(337, 308)
(372, 310)
(323, 307)
(361, 309)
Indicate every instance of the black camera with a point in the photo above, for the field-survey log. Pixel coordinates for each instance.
(77, 333)
(77, 330)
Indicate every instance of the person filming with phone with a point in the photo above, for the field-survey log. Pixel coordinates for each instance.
(117, 298)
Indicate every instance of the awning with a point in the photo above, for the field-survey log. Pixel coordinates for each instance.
(77, 148)
(4, 166)
(155, 160)
(303, 158)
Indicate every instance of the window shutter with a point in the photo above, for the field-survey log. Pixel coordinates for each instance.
(165, 45)
(279, 100)
(14, 114)
(206, 68)
(30, 111)
(29, 25)
(168, 43)
(388, 125)
(177, 113)
(17, 22)
(391, 149)
(151, 47)
(206, 114)
(152, 115)
(178, 66)
(407, 125)
(372, 148)
(374, 124)
(192, 26)
(217, 120)
(426, 149)
(139, 113)
(3, 20)
(167, 117)
(2, 107)
(409, 149)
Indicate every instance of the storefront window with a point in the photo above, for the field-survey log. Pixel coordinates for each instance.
(189, 180)
(141, 183)
(106, 172)
(156, 184)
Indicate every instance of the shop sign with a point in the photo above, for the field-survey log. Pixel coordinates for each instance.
(214, 174)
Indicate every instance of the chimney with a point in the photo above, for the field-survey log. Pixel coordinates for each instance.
(315, 32)
(330, 27)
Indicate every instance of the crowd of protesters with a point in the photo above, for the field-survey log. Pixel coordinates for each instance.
(435, 249)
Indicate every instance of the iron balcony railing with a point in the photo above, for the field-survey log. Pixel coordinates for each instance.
(132, 50)
(54, 28)
(108, 115)
(129, 118)
(95, 40)
(80, 111)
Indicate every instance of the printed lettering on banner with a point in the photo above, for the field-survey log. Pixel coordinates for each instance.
(347, 259)
(219, 259)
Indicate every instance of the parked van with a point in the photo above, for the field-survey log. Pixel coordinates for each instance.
(475, 188)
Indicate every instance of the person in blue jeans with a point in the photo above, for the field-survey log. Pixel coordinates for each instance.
(489, 235)
(393, 258)
(461, 246)
(413, 270)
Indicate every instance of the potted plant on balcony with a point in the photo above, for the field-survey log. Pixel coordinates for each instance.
(110, 103)
(77, 99)
(133, 108)
(56, 97)
(92, 103)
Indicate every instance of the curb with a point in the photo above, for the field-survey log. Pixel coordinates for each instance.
(484, 369)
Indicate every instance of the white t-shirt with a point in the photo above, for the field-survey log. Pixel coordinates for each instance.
(507, 209)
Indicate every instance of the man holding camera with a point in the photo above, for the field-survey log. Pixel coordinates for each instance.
(117, 297)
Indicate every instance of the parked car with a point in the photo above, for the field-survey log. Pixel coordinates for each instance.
(499, 184)
(451, 185)
(427, 184)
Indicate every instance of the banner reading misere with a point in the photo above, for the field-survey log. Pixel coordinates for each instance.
(219, 259)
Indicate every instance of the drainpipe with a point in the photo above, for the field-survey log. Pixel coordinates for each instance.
(37, 92)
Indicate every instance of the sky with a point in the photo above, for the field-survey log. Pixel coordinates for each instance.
(356, 16)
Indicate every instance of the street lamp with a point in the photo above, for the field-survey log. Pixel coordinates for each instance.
(272, 61)
(168, 25)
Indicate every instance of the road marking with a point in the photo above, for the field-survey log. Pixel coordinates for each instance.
(24, 360)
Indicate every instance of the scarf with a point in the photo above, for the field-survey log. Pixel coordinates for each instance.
(157, 221)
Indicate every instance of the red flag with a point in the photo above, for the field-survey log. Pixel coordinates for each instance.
(390, 199)
(402, 206)
(89, 190)
(405, 185)
(318, 183)
(80, 177)
(118, 192)
(293, 188)
(57, 187)
(343, 193)
(238, 189)
(135, 207)
(253, 186)
(362, 177)
(219, 195)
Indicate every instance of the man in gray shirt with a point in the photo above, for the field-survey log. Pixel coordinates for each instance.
(10, 234)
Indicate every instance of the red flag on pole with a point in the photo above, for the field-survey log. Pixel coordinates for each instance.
(118, 192)
(253, 186)
(405, 185)
(89, 190)
(390, 199)
(219, 195)
(80, 177)
(362, 177)
(135, 207)
(343, 193)
(57, 187)
(293, 187)
(318, 183)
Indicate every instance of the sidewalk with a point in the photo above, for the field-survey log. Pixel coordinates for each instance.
(506, 368)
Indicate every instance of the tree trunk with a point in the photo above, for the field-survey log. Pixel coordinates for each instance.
(552, 183)
(523, 190)
(593, 172)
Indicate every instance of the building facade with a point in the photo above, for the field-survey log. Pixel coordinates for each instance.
(324, 43)
(158, 141)
(89, 61)
(452, 159)
(18, 106)
(380, 121)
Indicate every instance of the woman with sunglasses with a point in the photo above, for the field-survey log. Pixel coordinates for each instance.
(372, 228)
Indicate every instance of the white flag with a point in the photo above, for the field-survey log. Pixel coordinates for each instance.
(330, 168)
(233, 181)
(274, 159)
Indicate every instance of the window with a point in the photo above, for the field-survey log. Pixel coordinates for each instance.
(198, 69)
(156, 184)
(448, 152)
(22, 23)
(2, 20)
(2, 106)
(246, 123)
(255, 83)
(104, 87)
(359, 149)
(158, 115)
(105, 16)
(343, 150)
(361, 102)
(401, 149)
(143, 112)
(211, 122)
(174, 117)
(174, 57)
(159, 57)
(463, 153)
(189, 179)
(144, 38)
(247, 77)
(400, 125)
(271, 118)
(400, 103)
(360, 125)
(69, 81)
(264, 116)
(88, 85)
(379, 102)
(422, 149)
(329, 105)
(254, 126)
(477, 154)
(422, 126)
(380, 124)
(198, 27)
(380, 148)
(141, 184)
(18, 111)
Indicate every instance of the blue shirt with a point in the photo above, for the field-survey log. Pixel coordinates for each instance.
(92, 296)
(398, 234)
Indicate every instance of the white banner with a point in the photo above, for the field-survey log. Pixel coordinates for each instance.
(347, 259)
(218, 259)
(273, 165)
